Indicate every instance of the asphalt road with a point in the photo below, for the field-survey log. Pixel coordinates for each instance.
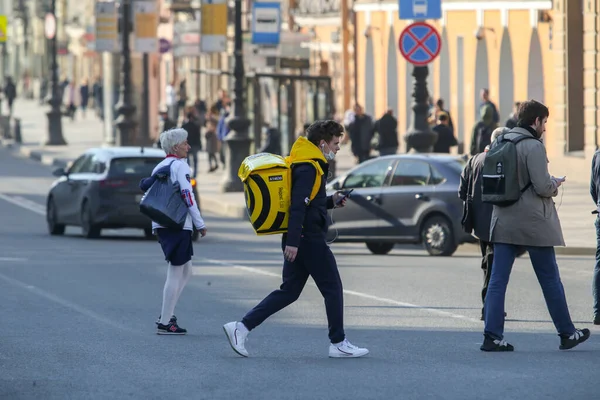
(79, 319)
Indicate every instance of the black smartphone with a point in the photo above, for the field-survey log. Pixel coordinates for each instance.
(346, 195)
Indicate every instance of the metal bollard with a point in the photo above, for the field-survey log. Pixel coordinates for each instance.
(17, 131)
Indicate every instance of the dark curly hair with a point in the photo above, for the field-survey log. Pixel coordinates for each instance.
(324, 130)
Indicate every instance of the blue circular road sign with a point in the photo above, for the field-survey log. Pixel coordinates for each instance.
(420, 43)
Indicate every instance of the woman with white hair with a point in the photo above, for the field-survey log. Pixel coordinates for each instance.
(176, 243)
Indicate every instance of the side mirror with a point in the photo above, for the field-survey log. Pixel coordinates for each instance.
(336, 185)
(59, 172)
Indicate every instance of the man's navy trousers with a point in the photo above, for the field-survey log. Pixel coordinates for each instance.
(314, 259)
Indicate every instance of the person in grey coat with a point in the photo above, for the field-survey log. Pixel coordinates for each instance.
(470, 190)
(531, 222)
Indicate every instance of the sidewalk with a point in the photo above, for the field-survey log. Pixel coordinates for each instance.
(573, 202)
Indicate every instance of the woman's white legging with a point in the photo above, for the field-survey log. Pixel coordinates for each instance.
(177, 277)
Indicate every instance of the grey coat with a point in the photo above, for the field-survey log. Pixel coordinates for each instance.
(533, 220)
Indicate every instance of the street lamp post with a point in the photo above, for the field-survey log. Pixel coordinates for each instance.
(238, 142)
(126, 109)
(420, 137)
(55, 135)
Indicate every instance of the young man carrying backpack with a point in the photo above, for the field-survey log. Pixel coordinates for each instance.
(517, 182)
(304, 246)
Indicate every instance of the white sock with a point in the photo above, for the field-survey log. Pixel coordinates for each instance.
(187, 274)
(174, 279)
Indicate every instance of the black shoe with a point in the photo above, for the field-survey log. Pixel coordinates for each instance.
(173, 318)
(495, 345)
(596, 319)
(171, 329)
(568, 342)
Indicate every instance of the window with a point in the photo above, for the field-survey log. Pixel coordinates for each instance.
(457, 165)
(98, 165)
(133, 166)
(369, 176)
(411, 173)
(82, 165)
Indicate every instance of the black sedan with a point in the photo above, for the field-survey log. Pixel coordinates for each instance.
(100, 190)
(407, 198)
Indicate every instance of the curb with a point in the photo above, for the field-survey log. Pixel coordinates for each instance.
(211, 204)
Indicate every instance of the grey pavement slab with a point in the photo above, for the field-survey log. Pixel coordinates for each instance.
(574, 203)
(82, 317)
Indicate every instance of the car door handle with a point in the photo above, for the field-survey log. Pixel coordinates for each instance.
(421, 196)
(374, 199)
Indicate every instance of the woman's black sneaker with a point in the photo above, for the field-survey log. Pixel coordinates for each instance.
(496, 345)
(159, 317)
(171, 328)
(568, 342)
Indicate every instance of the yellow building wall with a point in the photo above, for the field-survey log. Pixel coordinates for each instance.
(460, 23)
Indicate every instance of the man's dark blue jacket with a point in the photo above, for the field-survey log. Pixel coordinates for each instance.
(307, 218)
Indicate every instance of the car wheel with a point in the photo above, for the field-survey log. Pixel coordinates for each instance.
(88, 229)
(380, 247)
(54, 228)
(148, 233)
(437, 237)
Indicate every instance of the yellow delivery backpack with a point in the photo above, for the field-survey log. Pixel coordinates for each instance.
(267, 185)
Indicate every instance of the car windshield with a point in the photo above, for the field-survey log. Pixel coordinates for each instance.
(139, 166)
(457, 164)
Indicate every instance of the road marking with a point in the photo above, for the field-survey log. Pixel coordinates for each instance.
(379, 299)
(12, 259)
(24, 203)
(65, 303)
(35, 207)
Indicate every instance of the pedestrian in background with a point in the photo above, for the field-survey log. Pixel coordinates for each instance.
(445, 137)
(176, 244)
(212, 144)
(84, 96)
(192, 127)
(531, 222)
(482, 131)
(386, 129)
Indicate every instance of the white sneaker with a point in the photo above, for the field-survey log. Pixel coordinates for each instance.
(346, 349)
(237, 337)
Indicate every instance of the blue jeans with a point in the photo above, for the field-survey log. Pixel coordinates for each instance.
(544, 264)
(596, 280)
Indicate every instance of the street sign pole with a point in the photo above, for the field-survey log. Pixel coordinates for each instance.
(417, 50)
(420, 44)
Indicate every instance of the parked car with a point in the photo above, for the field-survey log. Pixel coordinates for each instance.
(408, 198)
(100, 190)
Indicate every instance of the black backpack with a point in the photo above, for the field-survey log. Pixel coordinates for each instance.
(500, 179)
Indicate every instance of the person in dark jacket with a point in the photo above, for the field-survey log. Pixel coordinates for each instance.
(361, 133)
(482, 131)
(512, 120)
(305, 247)
(470, 192)
(387, 128)
(192, 127)
(273, 141)
(595, 192)
(445, 138)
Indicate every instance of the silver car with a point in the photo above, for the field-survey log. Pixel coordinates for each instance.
(100, 190)
(410, 199)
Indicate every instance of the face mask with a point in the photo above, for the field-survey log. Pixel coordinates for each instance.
(328, 156)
